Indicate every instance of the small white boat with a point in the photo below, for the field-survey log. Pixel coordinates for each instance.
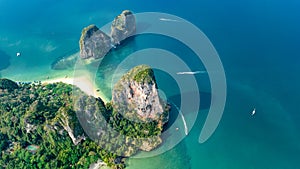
(18, 54)
(253, 112)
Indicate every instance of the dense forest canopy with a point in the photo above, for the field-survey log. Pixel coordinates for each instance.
(41, 127)
(32, 129)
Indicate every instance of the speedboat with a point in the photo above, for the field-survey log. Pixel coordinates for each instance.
(253, 112)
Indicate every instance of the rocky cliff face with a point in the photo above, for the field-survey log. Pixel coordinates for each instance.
(93, 43)
(136, 96)
(96, 44)
(122, 27)
(65, 121)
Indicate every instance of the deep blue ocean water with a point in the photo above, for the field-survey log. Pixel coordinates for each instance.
(258, 44)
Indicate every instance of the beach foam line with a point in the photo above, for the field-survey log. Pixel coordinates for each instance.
(183, 119)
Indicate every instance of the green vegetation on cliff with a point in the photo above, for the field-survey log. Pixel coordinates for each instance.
(34, 133)
(112, 131)
(141, 74)
(8, 84)
(57, 126)
(144, 76)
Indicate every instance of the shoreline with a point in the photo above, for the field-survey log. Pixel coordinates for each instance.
(83, 82)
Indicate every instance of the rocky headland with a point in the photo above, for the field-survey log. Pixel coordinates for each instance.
(134, 118)
(131, 122)
(95, 44)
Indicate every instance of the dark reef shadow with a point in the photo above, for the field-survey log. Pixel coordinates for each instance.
(64, 56)
(5, 60)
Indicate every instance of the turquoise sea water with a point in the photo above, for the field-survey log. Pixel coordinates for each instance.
(257, 42)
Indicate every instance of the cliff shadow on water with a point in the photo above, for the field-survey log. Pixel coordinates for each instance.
(175, 100)
(123, 50)
(5, 60)
(170, 91)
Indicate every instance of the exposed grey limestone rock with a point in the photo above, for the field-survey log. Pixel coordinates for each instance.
(122, 27)
(94, 43)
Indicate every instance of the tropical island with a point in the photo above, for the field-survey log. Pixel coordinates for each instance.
(59, 125)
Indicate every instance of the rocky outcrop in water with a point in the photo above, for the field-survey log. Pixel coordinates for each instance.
(136, 97)
(93, 43)
(122, 27)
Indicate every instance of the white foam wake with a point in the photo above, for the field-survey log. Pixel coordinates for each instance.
(168, 20)
(183, 119)
(190, 73)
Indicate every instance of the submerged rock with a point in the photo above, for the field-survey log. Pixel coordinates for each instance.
(122, 27)
(136, 97)
(93, 43)
(5, 60)
(64, 63)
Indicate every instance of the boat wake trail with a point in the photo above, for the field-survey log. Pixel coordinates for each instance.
(168, 20)
(191, 73)
(183, 119)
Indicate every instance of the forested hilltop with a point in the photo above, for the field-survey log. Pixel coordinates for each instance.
(37, 125)
(42, 126)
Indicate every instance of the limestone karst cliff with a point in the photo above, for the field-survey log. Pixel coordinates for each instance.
(93, 43)
(122, 27)
(136, 97)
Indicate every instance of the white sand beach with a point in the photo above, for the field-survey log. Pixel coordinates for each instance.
(85, 83)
